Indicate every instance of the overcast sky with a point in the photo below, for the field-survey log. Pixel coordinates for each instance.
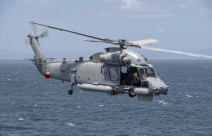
(184, 25)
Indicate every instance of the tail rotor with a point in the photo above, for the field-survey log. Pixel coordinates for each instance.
(34, 28)
(42, 35)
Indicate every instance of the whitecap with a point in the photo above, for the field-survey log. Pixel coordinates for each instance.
(101, 105)
(71, 124)
(18, 72)
(189, 96)
(164, 103)
(205, 66)
(35, 105)
(78, 106)
(8, 79)
(20, 118)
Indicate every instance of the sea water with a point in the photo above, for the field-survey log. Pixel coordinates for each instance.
(33, 105)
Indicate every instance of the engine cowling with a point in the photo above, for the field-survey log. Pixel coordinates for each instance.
(114, 59)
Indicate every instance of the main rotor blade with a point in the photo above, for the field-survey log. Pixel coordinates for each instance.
(98, 38)
(145, 41)
(91, 40)
(176, 52)
(105, 41)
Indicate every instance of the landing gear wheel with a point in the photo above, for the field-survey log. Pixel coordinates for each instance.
(131, 93)
(70, 92)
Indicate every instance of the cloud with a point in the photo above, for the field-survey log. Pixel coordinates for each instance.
(131, 5)
(37, 3)
(160, 30)
(151, 9)
(191, 8)
(135, 9)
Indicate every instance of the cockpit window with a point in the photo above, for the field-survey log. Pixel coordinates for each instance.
(141, 72)
(149, 72)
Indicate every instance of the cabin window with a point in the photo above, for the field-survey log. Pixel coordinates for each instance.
(114, 75)
(124, 69)
(104, 70)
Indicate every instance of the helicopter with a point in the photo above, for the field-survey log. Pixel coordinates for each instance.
(118, 70)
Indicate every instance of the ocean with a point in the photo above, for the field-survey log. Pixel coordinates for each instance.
(33, 105)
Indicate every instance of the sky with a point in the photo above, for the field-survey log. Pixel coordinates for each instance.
(184, 25)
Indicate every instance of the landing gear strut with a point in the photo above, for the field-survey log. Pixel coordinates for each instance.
(70, 92)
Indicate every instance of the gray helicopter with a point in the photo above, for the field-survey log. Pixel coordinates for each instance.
(115, 71)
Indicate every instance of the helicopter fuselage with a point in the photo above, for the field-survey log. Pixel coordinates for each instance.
(118, 70)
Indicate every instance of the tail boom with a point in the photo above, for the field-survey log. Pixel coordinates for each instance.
(39, 58)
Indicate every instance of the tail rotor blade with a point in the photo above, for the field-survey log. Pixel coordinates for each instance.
(44, 34)
(34, 28)
(27, 41)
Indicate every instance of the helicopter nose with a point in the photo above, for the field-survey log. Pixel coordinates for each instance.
(161, 90)
(157, 86)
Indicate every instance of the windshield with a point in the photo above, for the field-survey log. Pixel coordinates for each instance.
(141, 72)
(149, 72)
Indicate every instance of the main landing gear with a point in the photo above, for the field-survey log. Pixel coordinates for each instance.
(131, 93)
(70, 92)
